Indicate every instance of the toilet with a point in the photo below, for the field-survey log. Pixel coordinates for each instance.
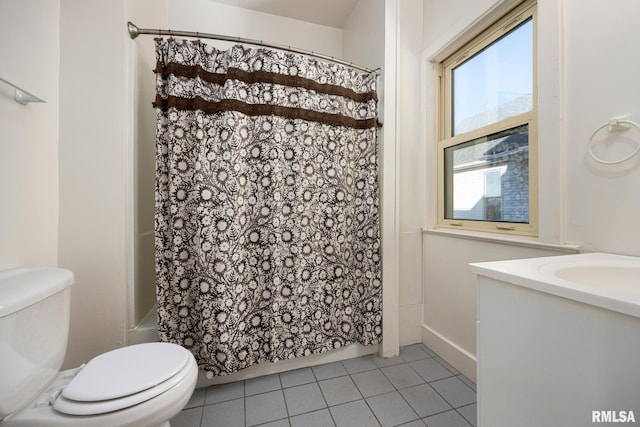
(143, 385)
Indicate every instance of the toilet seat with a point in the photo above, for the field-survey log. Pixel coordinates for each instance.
(123, 378)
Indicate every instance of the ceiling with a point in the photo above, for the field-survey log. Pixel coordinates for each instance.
(332, 13)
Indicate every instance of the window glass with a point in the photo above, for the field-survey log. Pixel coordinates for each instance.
(487, 129)
(496, 83)
(487, 178)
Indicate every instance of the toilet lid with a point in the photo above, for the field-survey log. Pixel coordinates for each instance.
(124, 377)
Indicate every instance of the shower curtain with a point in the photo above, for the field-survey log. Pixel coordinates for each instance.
(267, 226)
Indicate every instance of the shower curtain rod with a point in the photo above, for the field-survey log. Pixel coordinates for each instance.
(134, 32)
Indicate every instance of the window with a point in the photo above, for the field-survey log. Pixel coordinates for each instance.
(487, 138)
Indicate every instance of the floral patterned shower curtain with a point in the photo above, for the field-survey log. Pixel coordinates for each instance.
(267, 207)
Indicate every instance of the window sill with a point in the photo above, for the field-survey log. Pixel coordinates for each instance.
(529, 242)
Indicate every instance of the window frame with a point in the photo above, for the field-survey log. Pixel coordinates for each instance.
(497, 30)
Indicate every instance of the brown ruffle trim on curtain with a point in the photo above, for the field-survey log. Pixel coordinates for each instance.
(198, 103)
(193, 71)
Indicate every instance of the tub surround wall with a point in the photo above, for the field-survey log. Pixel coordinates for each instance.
(212, 17)
(142, 149)
(370, 38)
(363, 38)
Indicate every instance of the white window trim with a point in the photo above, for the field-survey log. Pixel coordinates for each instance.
(471, 41)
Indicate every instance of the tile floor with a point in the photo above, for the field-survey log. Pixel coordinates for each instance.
(415, 389)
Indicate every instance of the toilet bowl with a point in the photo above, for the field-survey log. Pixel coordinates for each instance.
(142, 385)
(138, 386)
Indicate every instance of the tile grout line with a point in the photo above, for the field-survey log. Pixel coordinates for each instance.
(463, 417)
(244, 404)
(428, 383)
(371, 410)
(454, 408)
(244, 401)
(362, 397)
(202, 409)
(404, 362)
(324, 397)
(284, 398)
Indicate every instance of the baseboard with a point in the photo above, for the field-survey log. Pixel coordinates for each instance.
(457, 357)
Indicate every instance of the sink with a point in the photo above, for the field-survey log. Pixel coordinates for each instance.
(605, 280)
(598, 271)
(621, 277)
(561, 332)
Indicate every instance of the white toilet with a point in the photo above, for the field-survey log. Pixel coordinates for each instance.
(138, 386)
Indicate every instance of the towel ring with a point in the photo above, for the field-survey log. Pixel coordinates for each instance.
(611, 124)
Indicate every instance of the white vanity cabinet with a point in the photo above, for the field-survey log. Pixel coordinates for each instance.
(552, 352)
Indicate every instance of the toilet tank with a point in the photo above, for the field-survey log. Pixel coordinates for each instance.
(34, 327)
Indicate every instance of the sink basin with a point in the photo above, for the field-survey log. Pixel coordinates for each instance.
(621, 277)
(599, 272)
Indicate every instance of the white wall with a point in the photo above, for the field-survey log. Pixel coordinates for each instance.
(93, 173)
(29, 52)
(399, 49)
(411, 174)
(62, 163)
(363, 35)
(211, 17)
(585, 76)
(603, 203)
(402, 170)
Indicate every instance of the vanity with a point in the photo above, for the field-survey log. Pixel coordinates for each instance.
(559, 341)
